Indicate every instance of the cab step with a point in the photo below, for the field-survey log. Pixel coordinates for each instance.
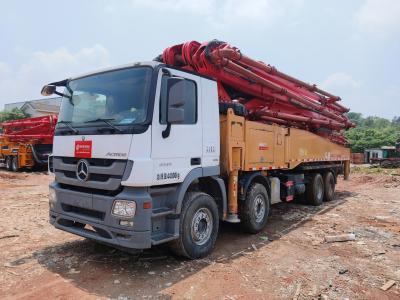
(162, 238)
(161, 212)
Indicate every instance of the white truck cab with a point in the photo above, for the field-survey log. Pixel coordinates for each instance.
(130, 144)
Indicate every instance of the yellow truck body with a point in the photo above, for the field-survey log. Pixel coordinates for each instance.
(248, 146)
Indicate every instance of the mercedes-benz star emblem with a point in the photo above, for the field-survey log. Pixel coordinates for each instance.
(82, 170)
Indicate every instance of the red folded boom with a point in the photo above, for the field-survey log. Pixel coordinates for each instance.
(35, 130)
(268, 94)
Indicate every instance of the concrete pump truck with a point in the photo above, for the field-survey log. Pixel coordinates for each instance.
(161, 151)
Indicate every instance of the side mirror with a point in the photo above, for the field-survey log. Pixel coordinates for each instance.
(48, 90)
(176, 99)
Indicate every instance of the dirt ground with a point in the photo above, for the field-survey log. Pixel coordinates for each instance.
(288, 260)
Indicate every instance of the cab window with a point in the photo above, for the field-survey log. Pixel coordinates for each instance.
(190, 106)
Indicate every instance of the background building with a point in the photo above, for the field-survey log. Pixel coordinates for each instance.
(383, 152)
(38, 107)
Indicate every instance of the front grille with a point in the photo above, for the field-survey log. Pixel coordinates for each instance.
(93, 161)
(104, 174)
(83, 211)
(95, 177)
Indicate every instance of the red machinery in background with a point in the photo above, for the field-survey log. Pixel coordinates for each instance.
(37, 130)
(267, 94)
(27, 142)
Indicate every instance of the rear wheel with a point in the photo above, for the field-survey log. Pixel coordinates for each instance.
(15, 164)
(315, 190)
(9, 163)
(255, 209)
(329, 186)
(198, 227)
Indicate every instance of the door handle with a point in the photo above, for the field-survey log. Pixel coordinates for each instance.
(195, 161)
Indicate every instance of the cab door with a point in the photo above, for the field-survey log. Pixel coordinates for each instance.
(175, 155)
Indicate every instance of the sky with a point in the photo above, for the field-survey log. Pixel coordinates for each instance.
(349, 48)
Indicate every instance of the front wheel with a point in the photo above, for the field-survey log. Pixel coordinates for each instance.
(198, 228)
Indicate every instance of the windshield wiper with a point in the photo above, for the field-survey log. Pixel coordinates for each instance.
(68, 124)
(106, 121)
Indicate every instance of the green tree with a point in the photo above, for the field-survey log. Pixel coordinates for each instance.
(372, 132)
(355, 117)
(14, 114)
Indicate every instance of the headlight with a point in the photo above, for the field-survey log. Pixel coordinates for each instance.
(124, 208)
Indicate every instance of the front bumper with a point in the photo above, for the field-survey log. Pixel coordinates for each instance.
(89, 215)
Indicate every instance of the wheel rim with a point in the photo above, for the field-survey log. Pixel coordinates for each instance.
(259, 208)
(14, 164)
(202, 226)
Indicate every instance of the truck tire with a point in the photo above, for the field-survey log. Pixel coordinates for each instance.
(255, 209)
(329, 186)
(15, 164)
(315, 190)
(198, 228)
(9, 163)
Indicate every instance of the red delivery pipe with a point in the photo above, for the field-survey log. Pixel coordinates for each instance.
(236, 55)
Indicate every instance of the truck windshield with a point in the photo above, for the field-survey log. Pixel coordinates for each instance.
(120, 97)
